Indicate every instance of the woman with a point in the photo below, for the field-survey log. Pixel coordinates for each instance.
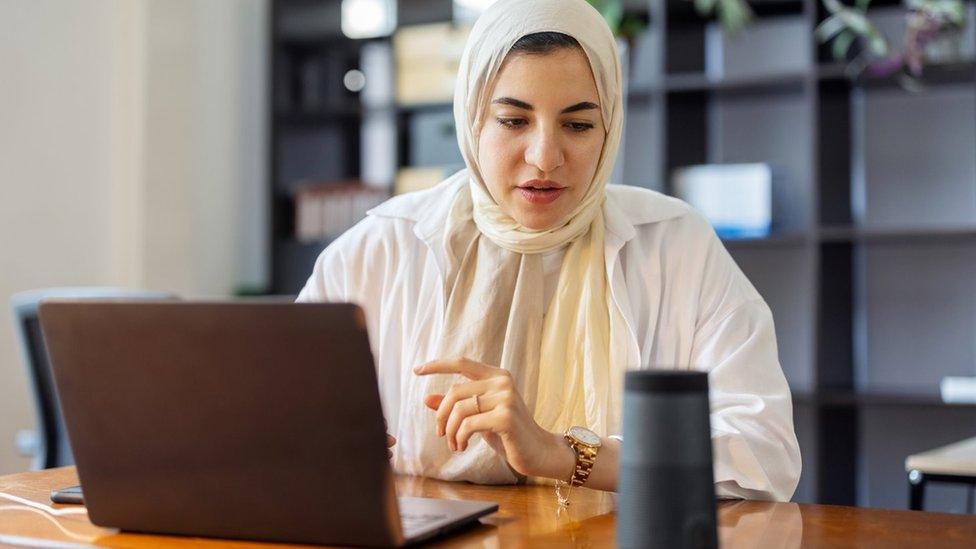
(505, 304)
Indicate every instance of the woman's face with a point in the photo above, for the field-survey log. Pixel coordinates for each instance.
(542, 137)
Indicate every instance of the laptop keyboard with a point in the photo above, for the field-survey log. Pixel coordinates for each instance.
(415, 522)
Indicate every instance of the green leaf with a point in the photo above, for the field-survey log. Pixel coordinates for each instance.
(704, 7)
(613, 12)
(829, 27)
(856, 21)
(734, 15)
(842, 44)
(877, 44)
(833, 6)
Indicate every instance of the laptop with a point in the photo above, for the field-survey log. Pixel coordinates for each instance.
(250, 420)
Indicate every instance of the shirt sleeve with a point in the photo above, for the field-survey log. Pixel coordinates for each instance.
(755, 450)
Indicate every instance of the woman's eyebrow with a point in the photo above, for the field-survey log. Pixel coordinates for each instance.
(581, 106)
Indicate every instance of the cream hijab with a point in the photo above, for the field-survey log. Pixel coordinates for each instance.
(560, 359)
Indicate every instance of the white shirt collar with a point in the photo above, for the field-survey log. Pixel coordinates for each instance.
(626, 207)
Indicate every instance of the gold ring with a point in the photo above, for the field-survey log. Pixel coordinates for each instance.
(477, 405)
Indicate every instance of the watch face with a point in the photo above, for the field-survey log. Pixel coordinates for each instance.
(585, 436)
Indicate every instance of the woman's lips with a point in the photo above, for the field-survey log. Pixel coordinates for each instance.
(540, 196)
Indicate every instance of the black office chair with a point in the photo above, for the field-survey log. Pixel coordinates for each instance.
(51, 448)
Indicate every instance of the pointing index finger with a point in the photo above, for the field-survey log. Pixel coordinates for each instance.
(467, 368)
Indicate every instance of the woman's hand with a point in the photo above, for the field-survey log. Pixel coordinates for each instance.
(490, 404)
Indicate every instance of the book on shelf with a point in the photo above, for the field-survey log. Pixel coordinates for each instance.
(326, 209)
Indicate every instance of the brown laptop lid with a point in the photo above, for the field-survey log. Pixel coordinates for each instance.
(242, 420)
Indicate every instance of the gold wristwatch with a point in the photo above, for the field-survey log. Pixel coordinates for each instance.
(585, 443)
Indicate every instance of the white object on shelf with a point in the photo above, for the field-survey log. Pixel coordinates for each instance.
(378, 140)
(735, 198)
(959, 390)
(376, 62)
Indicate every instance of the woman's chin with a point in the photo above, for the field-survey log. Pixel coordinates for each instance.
(538, 219)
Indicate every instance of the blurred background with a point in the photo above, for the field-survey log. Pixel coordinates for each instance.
(214, 148)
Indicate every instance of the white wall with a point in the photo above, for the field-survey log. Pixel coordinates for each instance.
(205, 145)
(132, 152)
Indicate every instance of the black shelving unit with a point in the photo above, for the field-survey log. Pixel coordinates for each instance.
(867, 270)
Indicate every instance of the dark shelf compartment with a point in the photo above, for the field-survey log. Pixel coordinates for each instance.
(683, 12)
(296, 260)
(695, 82)
(323, 115)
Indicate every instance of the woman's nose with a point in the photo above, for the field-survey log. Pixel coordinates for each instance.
(544, 152)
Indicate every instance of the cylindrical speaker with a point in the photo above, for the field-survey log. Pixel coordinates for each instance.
(666, 492)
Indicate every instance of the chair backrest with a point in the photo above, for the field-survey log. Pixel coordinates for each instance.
(53, 449)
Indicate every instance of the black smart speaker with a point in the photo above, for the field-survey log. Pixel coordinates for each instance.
(666, 492)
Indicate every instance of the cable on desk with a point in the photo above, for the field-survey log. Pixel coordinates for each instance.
(48, 517)
(23, 541)
(42, 507)
(49, 513)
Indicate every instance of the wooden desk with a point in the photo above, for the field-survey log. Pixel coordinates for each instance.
(528, 518)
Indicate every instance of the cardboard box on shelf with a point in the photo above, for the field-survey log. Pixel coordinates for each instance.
(419, 178)
(427, 59)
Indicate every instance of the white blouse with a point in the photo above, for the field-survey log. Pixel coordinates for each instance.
(551, 262)
(686, 304)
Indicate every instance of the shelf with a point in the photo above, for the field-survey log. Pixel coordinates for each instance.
(643, 93)
(326, 42)
(318, 116)
(799, 115)
(945, 73)
(344, 112)
(873, 398)
(895, 235)
(775, 240)
(424, 107)
(696, 82)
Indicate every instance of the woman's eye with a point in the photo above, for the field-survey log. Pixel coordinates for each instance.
(511, 123)
(580, 126)
(515, 123)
